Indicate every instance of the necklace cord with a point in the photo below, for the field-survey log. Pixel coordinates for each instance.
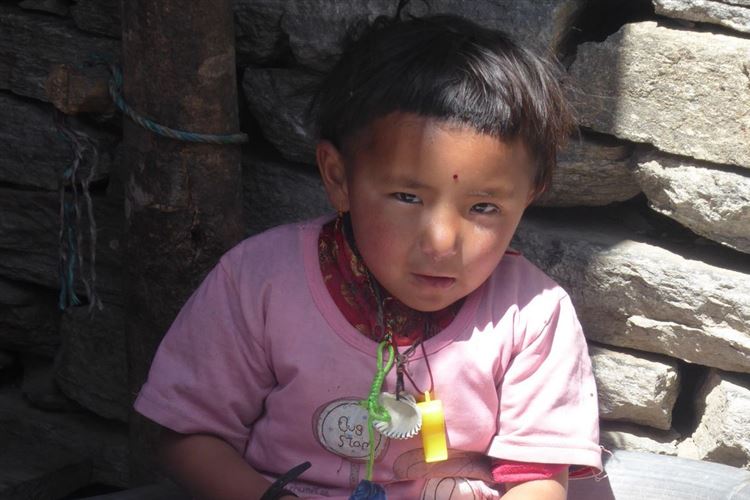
(376, 411)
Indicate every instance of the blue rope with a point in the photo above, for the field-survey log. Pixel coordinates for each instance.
(115, 87)
(68, 295)
(75, 198)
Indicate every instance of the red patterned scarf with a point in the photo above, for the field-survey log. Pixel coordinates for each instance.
(348, 282)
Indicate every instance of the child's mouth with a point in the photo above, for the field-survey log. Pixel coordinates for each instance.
(434, 281)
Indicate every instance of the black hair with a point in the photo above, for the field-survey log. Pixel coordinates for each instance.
(448, 68)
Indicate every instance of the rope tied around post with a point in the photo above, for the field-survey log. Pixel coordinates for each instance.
(115, 90)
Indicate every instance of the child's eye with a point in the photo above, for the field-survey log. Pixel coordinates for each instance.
(485, 208)
(406, 197)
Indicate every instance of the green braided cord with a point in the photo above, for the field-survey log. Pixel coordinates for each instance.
(115, 86)
(376, 411)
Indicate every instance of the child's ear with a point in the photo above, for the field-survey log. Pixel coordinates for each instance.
(534, 193)
(333, 172)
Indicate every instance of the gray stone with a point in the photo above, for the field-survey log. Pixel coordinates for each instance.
(542, 24)
(713, 202)
(257, 27)
(58, 7)
(636, 388)
(30, 469)
(31, 325)
(30, 44)
(684, 92)
(622, 436)
(39, 387)
(98, 16)
(313, 30)
(6, 360)
(13, 293)
(278, 98)
(29, 244)
(723, 434)
(102, 442)
(92, 366)
(591, 173)
(34, 154)
(278, 193)
(638, 295)
(734, 14)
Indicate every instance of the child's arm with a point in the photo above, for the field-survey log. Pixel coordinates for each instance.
(555, 488)
(209, 468)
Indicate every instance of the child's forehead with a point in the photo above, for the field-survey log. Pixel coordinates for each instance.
(397, 126)
(410, 142)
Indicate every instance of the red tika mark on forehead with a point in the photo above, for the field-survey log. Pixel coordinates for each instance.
(455, 177)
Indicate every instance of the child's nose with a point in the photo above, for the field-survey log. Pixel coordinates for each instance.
(440, 236)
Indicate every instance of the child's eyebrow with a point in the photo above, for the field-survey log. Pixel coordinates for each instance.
(485, 194)
(407, 182)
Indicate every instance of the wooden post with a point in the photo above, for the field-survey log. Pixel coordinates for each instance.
(183, 200)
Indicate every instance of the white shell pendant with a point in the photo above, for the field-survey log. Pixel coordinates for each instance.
(406, 419)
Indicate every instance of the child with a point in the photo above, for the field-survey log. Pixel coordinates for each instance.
(435, 135)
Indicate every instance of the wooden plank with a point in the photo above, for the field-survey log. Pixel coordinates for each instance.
(183, 199)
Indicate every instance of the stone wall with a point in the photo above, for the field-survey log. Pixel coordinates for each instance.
(647, 225)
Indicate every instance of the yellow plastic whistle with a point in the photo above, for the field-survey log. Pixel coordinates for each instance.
(433, 429)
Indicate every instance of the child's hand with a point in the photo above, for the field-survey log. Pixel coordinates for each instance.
(202, 464)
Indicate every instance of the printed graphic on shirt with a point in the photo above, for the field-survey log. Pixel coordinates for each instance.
(457, 488)
(341, 428)
(465, 475)
(411, 465)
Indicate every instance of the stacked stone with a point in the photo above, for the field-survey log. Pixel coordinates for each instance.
(647, 224)
(681, 91)
(60, 428)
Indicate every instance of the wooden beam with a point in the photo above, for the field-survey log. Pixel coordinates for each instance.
(183, 200)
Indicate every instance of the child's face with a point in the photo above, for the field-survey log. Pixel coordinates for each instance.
(433, 206)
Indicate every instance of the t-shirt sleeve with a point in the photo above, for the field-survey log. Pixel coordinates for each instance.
(210, 375)
(548, 411)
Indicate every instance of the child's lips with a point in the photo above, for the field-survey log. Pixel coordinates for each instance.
(434, 281)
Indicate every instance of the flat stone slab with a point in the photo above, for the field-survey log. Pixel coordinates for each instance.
(709, 200)
(624, 436)
(723, 433)
(34, 154)
(29, 244)
(733, 14)
(591, 173)
(278, 99)
(31, 43)
(279, 193)
(81, 435)
(98, 16)
(685, 92)
(31, 325)
(638, 295)
(635, 387)
(31, 469)
(91, 366)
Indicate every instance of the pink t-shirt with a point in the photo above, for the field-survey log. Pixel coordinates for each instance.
(261, 357)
